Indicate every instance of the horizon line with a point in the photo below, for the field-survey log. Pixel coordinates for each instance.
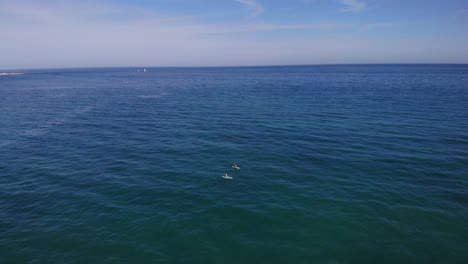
(229, 66)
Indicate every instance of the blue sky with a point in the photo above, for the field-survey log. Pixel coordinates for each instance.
(61, 33)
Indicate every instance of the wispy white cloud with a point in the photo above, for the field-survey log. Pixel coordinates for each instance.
(352, 5)
(256, 8)
(258, 27)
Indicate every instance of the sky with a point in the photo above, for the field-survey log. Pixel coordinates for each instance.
(144, 33)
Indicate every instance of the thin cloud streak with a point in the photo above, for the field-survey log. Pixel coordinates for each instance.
(329, 27)
(257, 8)
(352, 6)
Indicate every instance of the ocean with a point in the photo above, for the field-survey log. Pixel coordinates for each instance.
(338, 164)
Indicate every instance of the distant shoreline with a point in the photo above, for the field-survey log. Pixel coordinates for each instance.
(11, 73)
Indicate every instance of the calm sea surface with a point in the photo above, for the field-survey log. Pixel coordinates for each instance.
(339, 164)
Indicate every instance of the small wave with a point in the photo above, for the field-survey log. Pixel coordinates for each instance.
(153, 96)
(85, 110)
(34, 132)
(150, 96)
(6, 143)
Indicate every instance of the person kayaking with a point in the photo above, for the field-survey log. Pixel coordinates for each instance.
(235, 166)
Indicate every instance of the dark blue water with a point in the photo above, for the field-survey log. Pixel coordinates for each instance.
(339, 164)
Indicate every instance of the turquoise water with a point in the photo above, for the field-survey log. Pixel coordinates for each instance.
(339, 164)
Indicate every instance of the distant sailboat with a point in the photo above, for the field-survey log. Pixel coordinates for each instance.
(144, 70)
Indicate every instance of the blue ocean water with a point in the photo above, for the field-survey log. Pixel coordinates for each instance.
(339, 164)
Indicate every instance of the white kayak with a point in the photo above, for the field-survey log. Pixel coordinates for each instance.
(227, 177)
